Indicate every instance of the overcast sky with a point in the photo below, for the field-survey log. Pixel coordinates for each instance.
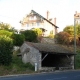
(12, 11)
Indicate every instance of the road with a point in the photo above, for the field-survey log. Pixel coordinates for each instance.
(68, 75)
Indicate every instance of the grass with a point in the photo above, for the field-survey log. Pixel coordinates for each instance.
(16, 67)
(77, 59)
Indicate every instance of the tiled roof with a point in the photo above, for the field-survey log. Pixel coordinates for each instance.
(51, 48)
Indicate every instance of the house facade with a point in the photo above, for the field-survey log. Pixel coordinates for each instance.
(47, 55)
(35, 20)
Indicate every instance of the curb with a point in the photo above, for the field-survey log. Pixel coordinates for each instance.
(16, 75)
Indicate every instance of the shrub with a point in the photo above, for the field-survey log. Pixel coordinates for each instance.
(6, 46)
(77, 60)
(18, 39)
(38, 31)
(30, 35)
(20, 66)
(62, 37)
(72, 40)
(5, 32)
(51, 36)
(29, 66)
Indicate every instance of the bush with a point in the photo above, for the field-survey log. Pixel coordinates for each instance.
(5, 32)
(62, 37)
(51, 36)
(72, 40)
(29, 66)
(38, 31)
(77, 59)
(20, 66)
(18, 39)
(30, 35)
(6, 46)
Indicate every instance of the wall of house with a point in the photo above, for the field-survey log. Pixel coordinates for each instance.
(42, 24)
(49, 28)
(33, 56)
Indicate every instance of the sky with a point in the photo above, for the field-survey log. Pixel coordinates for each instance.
(12, 11)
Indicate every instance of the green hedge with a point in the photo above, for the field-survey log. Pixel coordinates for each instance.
(6, 46)
(18, 39)
(30, 35)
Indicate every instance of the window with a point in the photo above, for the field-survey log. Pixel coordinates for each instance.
(27, 25)
(30, 18)
(34, 17)
(32, 24)
(38, 23)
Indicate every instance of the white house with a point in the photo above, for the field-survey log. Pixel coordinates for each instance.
(35, 20)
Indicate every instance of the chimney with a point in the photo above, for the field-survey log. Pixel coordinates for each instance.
(75, 12)
(48, 15)
(55, 21)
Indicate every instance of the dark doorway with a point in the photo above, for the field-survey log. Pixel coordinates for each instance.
(55, 60)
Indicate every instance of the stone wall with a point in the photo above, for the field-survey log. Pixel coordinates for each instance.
(33, 56)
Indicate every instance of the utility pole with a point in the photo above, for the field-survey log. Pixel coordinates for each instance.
(76, 18)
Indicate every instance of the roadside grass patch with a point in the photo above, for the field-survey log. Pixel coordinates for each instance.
(16, 67)
(77, 59)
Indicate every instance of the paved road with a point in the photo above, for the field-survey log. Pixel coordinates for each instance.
(69, 75)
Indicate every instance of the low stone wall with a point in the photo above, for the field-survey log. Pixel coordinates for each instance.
(65, 68)
(47, 69)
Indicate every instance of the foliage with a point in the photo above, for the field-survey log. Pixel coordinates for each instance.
(5, 26)
(30, 35)
(38, 31)
(77, 59)
(62, 37)
(6, 46)
(16, 67)
(69, 29)
(71, 39)
(19, 65)
(18, 39)
(29, 66)
(51, 35)
(5, 32)
(78, 30)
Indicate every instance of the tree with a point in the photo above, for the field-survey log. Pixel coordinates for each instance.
(38, 31)
(69, 29)
(5, 32)
(30, 35)
(62, 38)
(5, 26)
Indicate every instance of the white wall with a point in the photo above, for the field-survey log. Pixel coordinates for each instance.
(33, 56)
